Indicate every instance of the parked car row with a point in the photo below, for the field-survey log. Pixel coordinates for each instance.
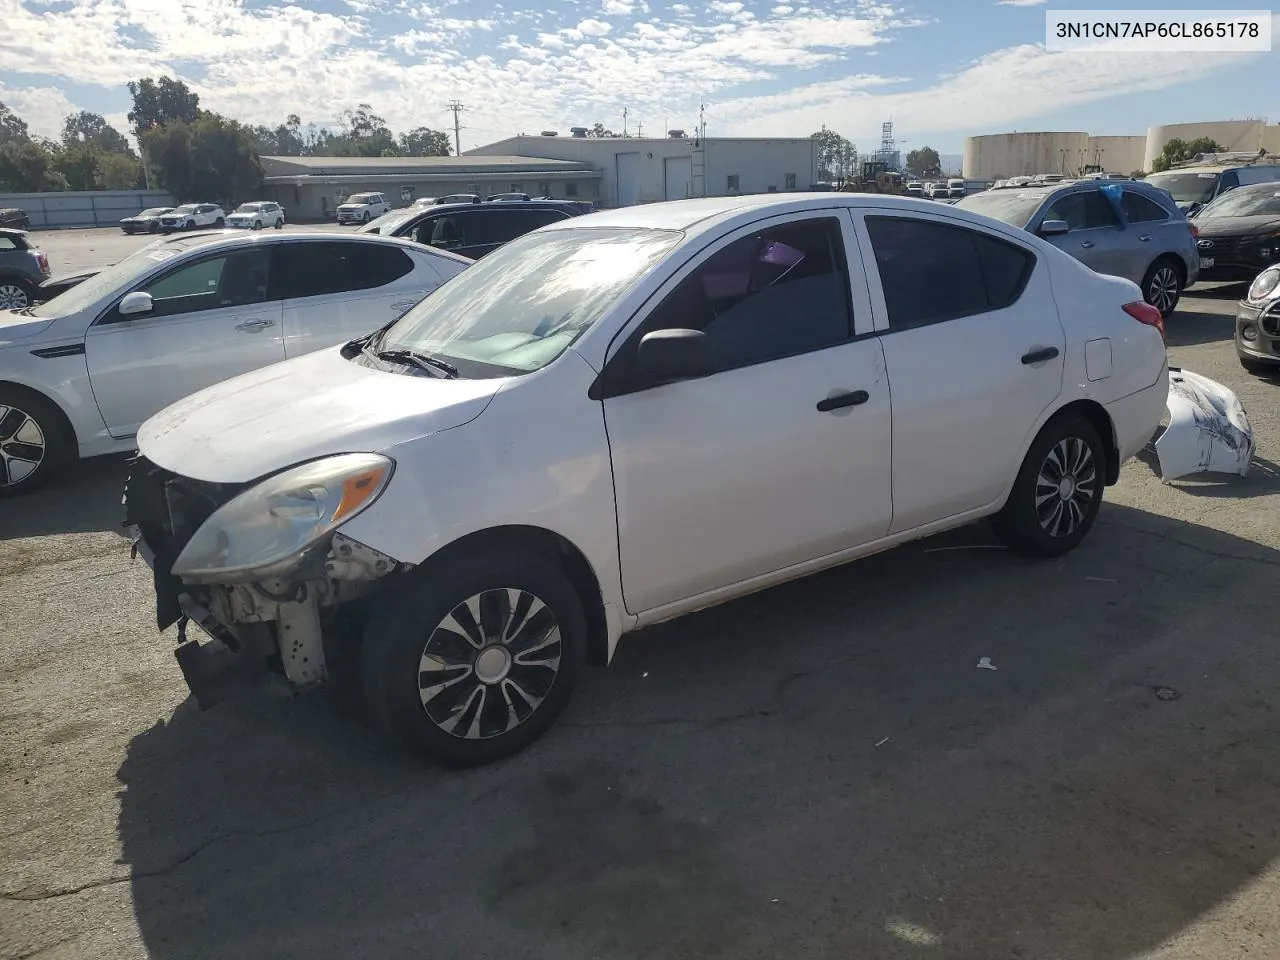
(472, 229)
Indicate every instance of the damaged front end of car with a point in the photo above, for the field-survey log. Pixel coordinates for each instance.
(261, 567)
(1208, 431)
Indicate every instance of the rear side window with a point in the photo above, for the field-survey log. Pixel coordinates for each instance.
(932, 272)
(1083, 211)
(1140, 209)
(7, 243)
(315, 269)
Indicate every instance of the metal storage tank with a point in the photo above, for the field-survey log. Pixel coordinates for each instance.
(1232, 135)
(1000, 155)
(1118, 154)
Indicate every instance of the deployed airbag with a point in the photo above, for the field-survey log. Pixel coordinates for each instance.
(1208, 429)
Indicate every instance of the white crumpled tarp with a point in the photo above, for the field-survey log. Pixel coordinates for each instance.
(1208, 429)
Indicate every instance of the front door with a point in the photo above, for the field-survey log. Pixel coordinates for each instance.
(975, 355)
(782, 455)
(1096, 236)
(212, 320)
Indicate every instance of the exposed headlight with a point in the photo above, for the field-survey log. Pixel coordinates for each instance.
(1264, 283)
(265, 530)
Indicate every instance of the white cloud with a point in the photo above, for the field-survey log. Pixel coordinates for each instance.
(43, 108)
(782, 9)
(616, 8)
(725, 6)
(594, 28)
(1020, 3)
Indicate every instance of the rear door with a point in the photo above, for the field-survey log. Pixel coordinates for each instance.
(335, 290)
(975, 355)
(214, 318)
(1156, 232)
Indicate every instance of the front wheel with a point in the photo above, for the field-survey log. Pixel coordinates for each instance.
(474, 661)
(257, 224)
(189, 225)
(220, 223)
(1058, 491)
(1162, 286)
(32, 441)
(280, 224)
(153, 228)
(16, 294)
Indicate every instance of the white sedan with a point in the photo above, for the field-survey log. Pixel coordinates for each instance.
(80, 372)
(624, 417)
(256, 215)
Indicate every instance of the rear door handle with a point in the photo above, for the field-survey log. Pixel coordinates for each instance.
(1086, 243)
(843, 400)
(1144, 239)
(253, 326)
(1038, 356)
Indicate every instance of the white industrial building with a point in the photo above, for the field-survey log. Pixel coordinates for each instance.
(999, 155)
(648, 169)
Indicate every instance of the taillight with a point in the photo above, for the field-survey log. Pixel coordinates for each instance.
(43, 261)
(1144, 312)
(1195, 231)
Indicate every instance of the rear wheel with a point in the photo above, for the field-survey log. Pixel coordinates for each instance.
(33, 442)
(220, 222)
(280, 223)
(1058, 490)
(1162, 286)
(16, 294)
(473, 661)
(153, 227)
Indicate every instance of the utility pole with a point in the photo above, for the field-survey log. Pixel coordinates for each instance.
(639, 128)
(624, 121)
(457, 108)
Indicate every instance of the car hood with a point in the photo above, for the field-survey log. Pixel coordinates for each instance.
(314, 405)
(353, 206)
(1237, 226)
(15, 326)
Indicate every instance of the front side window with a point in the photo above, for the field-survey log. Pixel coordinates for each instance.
(775, 293)
(450, 231)
(314, 269)
(1088, 210)
(932, 272)
(1140, 209)
(522, 306)
(229, 280)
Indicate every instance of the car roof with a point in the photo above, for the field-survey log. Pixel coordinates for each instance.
(215, 239)
(1222, 166)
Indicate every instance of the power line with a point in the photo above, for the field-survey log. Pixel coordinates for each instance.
(457, 107)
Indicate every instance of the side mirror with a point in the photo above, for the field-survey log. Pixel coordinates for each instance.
(136, 303)
(1054, 228)
(675, 355)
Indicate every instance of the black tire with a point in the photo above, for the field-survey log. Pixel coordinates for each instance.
(58, 447)
(257, 224)
(1162, 285)
(153, 228)
(1259, 368)
(1026, 527)
(280, 223)
(366, 218)
(396, 639)
(189, 225)
(14, 290)
(220, 223)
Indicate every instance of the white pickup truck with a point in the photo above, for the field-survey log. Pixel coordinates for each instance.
(363, 207)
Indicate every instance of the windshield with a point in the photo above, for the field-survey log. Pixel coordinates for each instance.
(185, 208)
(361, 198)
(523, 305)
(388, 223)
(1187, 187)
(1014, 207)
(1245, 202)
(249, 208)
(90, 290)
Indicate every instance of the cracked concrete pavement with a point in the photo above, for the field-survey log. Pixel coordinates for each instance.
(816, 771)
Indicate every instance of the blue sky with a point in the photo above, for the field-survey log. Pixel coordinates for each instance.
(940, 69)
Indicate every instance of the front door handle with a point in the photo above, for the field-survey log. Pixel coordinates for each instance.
(843, 400)
(1144, 239)
(1086, 244)
(253, 326)
(400, 306)
(1038, 356)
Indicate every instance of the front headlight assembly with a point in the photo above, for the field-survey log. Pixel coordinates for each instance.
(1264, 283)
(266, 530)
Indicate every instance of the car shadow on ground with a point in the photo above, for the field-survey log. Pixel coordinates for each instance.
(1263, 479)
(86, 499)
(1188, 327)
(816, 771)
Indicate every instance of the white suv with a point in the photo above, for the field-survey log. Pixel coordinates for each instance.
(363, 207)
(255, 216)
(189, 216)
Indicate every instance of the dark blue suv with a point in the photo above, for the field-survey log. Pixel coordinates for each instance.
(474, 229)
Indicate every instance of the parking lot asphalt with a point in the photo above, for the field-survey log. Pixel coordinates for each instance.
(816, 771)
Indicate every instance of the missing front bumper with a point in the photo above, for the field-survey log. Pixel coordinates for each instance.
(1208, 432)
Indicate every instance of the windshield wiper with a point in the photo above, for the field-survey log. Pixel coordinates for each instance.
(422, 361)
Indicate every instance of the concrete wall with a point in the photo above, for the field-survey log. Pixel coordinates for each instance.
(1233, 135)
(1118, 154)
(758, 163)
(1000, 155)
(84, 208)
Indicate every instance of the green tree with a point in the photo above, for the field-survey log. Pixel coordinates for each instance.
(1177, 150)
(27, 166)
(837, 157)
(157, 103)
(78, 163)
(119, 172)
(13, 129)
(92, 128)
(924, 163)
(425, 142)
(212, 159)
